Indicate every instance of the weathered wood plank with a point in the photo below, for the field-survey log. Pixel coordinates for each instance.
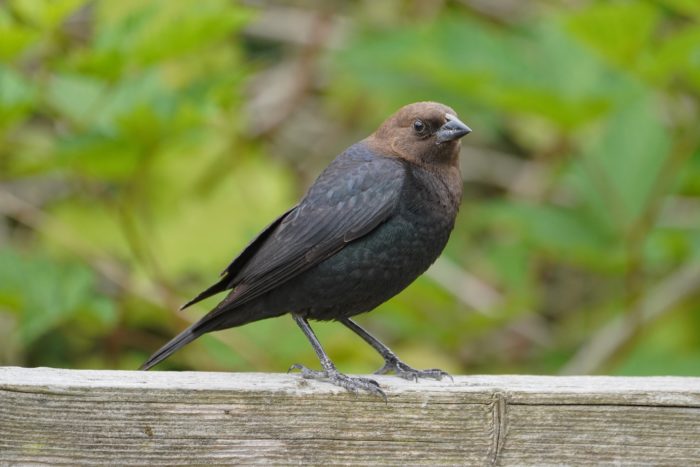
(120, 417)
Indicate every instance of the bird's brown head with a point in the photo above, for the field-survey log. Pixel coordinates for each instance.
(424, 133)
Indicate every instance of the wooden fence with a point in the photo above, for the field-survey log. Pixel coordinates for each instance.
(73, 417)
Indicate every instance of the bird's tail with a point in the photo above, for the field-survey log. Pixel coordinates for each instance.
(182, 339)
(223, 316)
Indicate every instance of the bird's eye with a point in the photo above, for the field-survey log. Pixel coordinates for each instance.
(419, 126)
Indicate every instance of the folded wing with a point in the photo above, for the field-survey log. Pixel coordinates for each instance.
(353, 196)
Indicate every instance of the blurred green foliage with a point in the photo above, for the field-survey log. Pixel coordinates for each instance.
(143, 143)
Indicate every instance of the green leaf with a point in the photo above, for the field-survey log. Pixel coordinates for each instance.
(17, 96)
(46, 293)
(686, 7)
(99, 155)
(568, 232)
(76, 97)
(668, 348)
(619, 169)
(45, 14)
(619, 31)
(146, 33)
(677, 58)
(16, 37)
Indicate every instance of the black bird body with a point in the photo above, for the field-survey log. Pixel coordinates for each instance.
(373, 221)
(369, 270)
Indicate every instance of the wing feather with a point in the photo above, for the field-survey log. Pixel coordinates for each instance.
(351, 198)
(228, 274)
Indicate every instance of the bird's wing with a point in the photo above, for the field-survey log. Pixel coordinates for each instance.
(350, 199)
(227, 275)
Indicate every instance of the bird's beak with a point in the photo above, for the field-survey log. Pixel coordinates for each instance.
(452, 130)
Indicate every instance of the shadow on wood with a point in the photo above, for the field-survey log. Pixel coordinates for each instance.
(123, 417)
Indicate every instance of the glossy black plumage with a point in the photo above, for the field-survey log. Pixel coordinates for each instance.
(373, 221)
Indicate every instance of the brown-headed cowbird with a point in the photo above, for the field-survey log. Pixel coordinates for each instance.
(372, 222)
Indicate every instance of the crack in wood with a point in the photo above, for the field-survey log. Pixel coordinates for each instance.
(499, 421)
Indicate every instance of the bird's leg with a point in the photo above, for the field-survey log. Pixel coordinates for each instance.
(391, 361)
(329, 372)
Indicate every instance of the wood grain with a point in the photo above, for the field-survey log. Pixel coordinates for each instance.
(73, 417)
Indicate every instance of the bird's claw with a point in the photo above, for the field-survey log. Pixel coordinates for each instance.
(404, 371)
(351, 384)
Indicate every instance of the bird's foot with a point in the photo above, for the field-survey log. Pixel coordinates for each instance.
(352, 384)
(404, 371)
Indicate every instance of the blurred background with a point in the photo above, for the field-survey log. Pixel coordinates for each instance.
(144, 143)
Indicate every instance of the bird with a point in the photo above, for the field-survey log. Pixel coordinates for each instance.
(372, 222)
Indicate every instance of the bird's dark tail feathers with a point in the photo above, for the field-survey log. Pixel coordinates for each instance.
(223, 316)
(182, 339)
